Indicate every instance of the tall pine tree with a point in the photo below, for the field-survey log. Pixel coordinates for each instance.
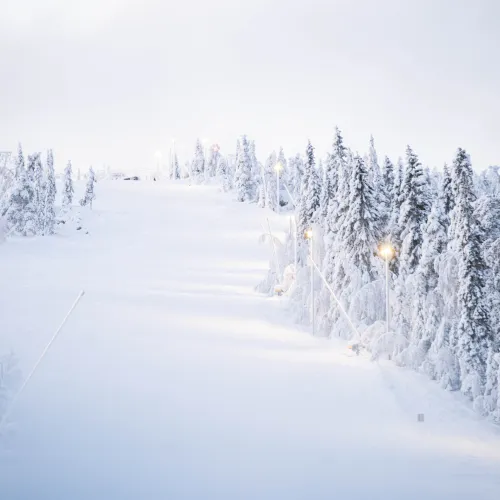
(414, 210)
(40, 191)
(89, 195)
(270, 182)
(473, 334)
(19, 161)
(243, 181)
(310, 193)
(198, 165)
(50, 196)
(68, 190)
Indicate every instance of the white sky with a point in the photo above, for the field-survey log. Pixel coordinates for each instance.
(111, 82)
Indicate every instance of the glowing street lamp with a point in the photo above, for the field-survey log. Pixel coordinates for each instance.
(278, 167)
(308, 235)
(387, 252)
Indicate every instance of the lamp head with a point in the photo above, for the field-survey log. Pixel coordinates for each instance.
(386, 251)
(308, 234)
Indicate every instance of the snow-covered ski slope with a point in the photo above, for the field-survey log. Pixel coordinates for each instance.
(173, 379)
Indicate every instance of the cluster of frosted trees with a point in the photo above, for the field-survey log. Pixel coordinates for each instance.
(28, 195)
(444, 227)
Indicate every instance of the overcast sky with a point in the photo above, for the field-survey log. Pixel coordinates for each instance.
(112, 81)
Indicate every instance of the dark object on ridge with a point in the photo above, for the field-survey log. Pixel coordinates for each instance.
(134, 178)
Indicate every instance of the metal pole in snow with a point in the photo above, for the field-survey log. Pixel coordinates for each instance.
(47, 347)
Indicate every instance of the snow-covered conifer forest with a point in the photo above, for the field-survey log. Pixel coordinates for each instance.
(439, 226)
(28, 194)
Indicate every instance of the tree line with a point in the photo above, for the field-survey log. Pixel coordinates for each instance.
(444, 227)
(28, 195)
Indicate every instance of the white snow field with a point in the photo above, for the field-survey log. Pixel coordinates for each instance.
(173, 379)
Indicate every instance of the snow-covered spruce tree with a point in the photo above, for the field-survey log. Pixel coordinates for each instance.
(335, 167)
(50, 196)
(310, 194)
(435, 182)
(69, 191)
(30, 167)
(329, 185)
(487, 213)
(373, 166)
(8, 182)
(447, 191)
(284, 174)
(488, 181)
(378, 185)
(389, 189)
(414, 210)
(198, 165)
(413, 215)
(394, 229)
(357, 265)
(473, 335)
(339, 210)
(426, 301)
(256, 168)
(388, 179)
(40, 192)
(19, 161)
(89, 195)
(307, 206)
(21, 213)
(243, 181)
(213, 160)
(176, 168)
(223, 175)
(339, 204)
(270, 182)
(232, 163)
(492, 386)
(296, 166)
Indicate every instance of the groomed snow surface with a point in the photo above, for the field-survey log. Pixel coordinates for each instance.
(173, 379)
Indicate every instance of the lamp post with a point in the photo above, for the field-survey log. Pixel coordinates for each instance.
(309, 236)
(278, 167)
(387, 253)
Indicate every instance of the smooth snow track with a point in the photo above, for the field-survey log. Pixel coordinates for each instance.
(173, 379)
